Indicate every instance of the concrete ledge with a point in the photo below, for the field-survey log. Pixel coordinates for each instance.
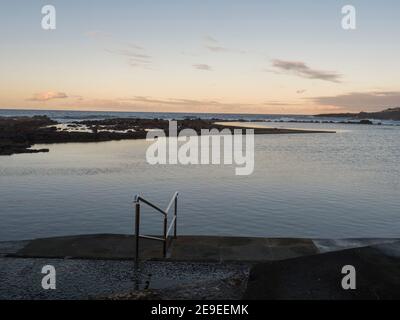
(244, 249)
(319, 276)
(185, 248)
(281, 268)
(99, 246)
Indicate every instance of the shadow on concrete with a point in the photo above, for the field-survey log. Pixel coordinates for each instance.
(320, 276)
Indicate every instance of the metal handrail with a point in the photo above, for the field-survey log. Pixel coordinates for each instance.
(171, 202)
(139, 198)
(174, 201)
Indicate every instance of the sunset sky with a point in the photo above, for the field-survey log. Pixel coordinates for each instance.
(222, 56)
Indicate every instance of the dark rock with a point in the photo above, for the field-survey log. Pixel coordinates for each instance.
(388, 114)
(17, 135)
(365, 121)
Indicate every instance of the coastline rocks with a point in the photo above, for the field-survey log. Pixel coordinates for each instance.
(18, 134)
(366, 122)
(388, 114)
(7, 149)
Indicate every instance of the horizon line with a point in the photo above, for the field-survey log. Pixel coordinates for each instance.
(178, 112)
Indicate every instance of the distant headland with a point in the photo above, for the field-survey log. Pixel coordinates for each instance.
(387, 114)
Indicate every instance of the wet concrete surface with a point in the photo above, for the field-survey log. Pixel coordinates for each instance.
(330, 245)
(11, 247)
(197, 248)
(20, 279)
(184, 248)
(102, 266)
(98, 246)
(377, 276)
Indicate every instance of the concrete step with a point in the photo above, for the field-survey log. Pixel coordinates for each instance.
(184, 248)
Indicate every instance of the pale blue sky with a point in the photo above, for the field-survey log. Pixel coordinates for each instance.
(200, 56)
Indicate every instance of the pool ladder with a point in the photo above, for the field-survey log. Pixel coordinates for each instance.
(138, 200)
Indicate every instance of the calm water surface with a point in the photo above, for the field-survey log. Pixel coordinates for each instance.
(316, 185)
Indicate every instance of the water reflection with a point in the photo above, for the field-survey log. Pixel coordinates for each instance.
(315, 185)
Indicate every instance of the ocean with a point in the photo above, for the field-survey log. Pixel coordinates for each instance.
(341, 185)
(63, 116)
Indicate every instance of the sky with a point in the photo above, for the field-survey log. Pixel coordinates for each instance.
(220, 56)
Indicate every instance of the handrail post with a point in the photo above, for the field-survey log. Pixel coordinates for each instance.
(167, 229)
(165, 237)
(137, 234)
(175, 215)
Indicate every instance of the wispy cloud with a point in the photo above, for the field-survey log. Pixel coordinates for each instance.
(182, 104)
(132, 54)
(135, 46)
(136, 56)
(154, 104)
(301, 69)
(216, 48)
(207, 105)
(201, 66)
(282, 103)
(143, 103)
(174, 101)
(48, 95)
(361, 101)
(209, 38)
(213, 45)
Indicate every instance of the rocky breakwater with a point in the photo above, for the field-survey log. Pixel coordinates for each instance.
(19, 134)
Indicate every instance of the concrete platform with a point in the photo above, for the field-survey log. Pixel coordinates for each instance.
(319, 276)
(184, 248)
(244, 249)
(93, 266)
